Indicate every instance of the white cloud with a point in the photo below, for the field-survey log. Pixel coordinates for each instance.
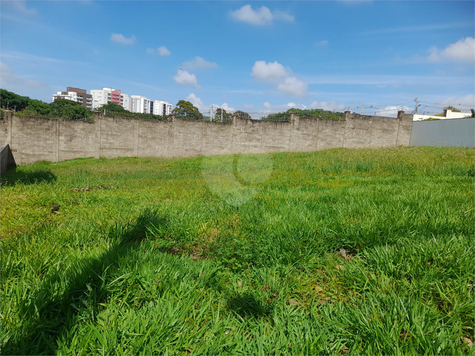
(391, 111)
(277, 74)
(323, 43)
(327, 105)
(259, 17)
(283, 16)
(225, 106)
(10, 79)
(198, 63)
(120, 38)
(266, 71)
(192, 98)
(463, 103)
(267, 105)
(163, 51)
(462, 50)
(293, 86)
(20, 5)
(184, 78)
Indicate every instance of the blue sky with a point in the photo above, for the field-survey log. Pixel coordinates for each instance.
(251, 56)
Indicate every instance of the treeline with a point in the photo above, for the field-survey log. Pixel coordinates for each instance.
(315, 113)
(24, 106)
(67, 109)
(63, 108)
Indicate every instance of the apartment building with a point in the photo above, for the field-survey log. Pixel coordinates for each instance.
(101, 97)
(77, 95)
(141, 104)
(125, 101)
(162, 108)
(132, 103)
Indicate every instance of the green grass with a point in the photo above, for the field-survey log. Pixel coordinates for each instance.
(150, 260)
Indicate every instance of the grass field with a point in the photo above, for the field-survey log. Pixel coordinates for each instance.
(145, 256)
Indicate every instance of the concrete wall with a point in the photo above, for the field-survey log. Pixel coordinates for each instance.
(35, 139)
(446, 133)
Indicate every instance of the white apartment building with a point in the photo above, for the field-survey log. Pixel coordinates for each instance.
(125, 102)
(69, 95)
(75, 94)
(162, 108)
(106, 95)
(141, 104)
(132, 103)
(101, 97)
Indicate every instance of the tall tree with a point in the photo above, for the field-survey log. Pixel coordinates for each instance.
(14, 101)
(186, 109)
(111, 107)
(226, 115)
(38, 107)
(242, 115)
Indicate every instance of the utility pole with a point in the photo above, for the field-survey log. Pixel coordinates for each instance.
(362, 107)
(211, 113)
(417, 104)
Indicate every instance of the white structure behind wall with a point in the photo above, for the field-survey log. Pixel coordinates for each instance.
(101, 97)
(448, 114)
(125, 102)
(162, 108)
(141, 104)
(132, 103)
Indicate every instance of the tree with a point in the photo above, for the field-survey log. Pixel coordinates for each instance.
(111, 107)
(38, 107)
(226, 115)
(14, 101)
(473, 112)
(69, 109)
(242, 115)
(186, 109)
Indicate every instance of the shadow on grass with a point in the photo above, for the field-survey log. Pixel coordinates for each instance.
(246, 305)
(14, 176)
(48, 317)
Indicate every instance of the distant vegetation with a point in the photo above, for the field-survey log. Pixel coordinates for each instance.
(63, 108)
(112, 109)
(315, 113)
(24, 106)
(186, 110)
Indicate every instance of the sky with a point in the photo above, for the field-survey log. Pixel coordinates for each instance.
(259, 57)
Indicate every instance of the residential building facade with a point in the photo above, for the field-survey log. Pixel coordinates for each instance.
(141, 104)
(162, 108)
(132, 103)
(101, 97)
(77, 95)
